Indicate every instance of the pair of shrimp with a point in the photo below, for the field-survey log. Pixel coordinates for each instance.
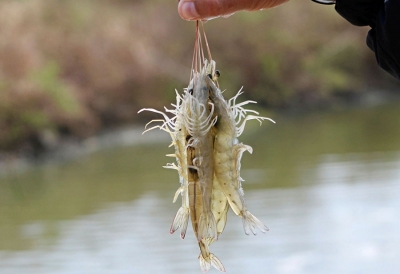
(204, 129)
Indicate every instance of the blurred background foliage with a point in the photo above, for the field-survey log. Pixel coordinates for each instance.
(71, 68)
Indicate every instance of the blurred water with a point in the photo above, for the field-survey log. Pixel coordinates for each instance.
(327, 185)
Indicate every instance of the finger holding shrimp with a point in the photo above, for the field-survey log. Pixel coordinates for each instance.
(208, 9)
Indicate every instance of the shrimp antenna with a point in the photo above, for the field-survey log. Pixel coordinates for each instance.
(206, 41)
(198, 54)
(198, 60)
(194, 59)
(201, 51)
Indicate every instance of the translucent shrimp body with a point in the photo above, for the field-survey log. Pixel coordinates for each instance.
(228, 153)
(179, 141)
(177, 131)
(198, 122)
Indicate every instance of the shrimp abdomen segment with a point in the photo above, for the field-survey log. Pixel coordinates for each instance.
(203, 221)
(219, 206)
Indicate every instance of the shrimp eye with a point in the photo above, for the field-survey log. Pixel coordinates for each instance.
(209, 76)
(192, 170)
(217, 73)
(191, 91)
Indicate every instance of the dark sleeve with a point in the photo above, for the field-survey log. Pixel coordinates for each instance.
(383, 16)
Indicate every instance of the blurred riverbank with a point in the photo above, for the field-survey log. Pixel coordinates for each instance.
(70, 149)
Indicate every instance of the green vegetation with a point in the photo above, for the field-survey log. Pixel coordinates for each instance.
(75, 67)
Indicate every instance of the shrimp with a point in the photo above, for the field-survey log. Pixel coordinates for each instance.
(198, 122)
(179, 141)
(228, 153)
(219, 202)
(177, 131)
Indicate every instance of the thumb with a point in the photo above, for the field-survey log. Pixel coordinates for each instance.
(208, 9)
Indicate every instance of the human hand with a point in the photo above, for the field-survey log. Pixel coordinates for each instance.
(208, 9)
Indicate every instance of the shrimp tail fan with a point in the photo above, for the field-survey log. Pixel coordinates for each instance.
(205, 264)
(180, 221)
(251, 223)
(215, 262)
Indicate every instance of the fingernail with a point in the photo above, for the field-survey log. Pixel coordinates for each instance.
(188, 11)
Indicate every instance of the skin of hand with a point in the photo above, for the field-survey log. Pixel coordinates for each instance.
(208, 9)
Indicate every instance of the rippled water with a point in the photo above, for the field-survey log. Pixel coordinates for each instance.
(327, 185)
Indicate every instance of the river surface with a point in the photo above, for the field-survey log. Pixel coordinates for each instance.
(326, 184)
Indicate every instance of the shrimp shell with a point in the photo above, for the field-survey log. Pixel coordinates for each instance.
(228, 153)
